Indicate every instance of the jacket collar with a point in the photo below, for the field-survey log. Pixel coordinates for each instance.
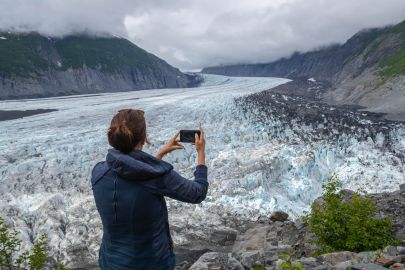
(137, 165)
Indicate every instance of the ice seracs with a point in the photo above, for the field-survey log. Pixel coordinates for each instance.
(256, 163)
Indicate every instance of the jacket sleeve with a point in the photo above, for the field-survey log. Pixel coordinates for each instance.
(175, 186)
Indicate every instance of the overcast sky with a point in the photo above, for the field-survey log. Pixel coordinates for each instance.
(191, 34)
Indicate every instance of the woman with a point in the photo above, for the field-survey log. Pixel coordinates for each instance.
(129, 190)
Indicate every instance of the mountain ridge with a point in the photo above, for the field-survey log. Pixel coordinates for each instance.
(32, 65)
(367, 70)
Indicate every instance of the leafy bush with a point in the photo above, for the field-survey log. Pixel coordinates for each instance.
(289, 264)
(347, 225)
(10, 245)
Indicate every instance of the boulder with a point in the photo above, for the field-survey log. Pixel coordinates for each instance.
(253, 239)
(219, 260)
(343, 265)
(367, 266)
(338, 257)
(309, 262)
(390, 251)
(279, 216)
(367, 256)
(249, 258)
(397, 266)
(385, 261)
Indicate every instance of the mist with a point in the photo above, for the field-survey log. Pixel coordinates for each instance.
(194, 34)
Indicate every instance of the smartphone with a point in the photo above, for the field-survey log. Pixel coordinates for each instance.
(188, 135)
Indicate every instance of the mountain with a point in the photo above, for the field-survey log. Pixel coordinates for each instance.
(32, 65)
(367, 70)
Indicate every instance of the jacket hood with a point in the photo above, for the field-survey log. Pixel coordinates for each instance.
(137, 165)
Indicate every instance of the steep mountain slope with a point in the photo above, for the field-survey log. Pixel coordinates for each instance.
(32, 65)
(367, 70)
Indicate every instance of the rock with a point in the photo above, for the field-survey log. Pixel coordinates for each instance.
(397, 266)
(338, 257)
(272, 252)
(257, 263)
(385, 261)
(249, 258)
(234, 264)
(323, 267)
(390, 251)
(253, 239)
(367, 256)
(402, 187)
(309, 262)
(367, 266)
(279, 216)
(220, 260)
(343, 265)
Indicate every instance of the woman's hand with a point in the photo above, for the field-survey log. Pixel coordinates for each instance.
(170, 146)
(199, 141)
(200, 146)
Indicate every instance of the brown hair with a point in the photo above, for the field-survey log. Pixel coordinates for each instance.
(127, 129)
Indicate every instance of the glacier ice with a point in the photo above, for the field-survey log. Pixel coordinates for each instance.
(256, 163)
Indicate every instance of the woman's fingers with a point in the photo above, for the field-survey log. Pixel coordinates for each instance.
(175, 136)
(201, 133)
(177, 143)
(177, 147)
(196, 138)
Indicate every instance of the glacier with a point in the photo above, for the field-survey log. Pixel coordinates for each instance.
(257, 162)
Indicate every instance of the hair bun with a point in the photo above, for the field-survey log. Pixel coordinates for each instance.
(122, 137)
(127, 129)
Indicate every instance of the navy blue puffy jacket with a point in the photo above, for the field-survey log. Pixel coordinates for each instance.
(129, 192)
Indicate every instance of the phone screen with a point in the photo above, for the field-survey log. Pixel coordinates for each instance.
(188, 136)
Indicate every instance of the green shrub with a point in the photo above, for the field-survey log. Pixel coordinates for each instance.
(347, 225)
(10, 245)
(289, 264)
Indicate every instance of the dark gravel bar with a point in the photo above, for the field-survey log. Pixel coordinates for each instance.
(10, 115)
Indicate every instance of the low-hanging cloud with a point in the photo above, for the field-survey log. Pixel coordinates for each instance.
(193, 34)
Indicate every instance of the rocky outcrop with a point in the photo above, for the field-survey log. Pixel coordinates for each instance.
(367, 70)
(36, 66)
(264, 243)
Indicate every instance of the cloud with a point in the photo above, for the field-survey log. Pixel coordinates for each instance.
(193, 34)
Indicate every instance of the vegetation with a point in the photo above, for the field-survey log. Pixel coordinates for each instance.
(351, 224)
(289, 264)
(18, 55)
(28, 54)
(106, 54)
(11, 256)
(393, 66)
(399, 28)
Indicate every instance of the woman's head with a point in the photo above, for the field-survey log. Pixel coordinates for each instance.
(127, 130)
